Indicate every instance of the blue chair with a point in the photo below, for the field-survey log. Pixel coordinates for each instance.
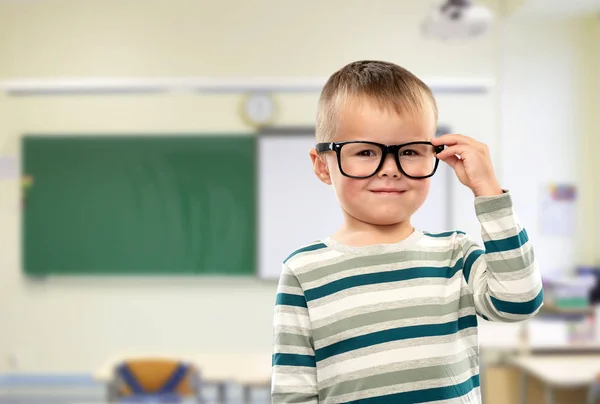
(142, 381)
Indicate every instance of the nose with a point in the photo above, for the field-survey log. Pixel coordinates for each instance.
(389, 168)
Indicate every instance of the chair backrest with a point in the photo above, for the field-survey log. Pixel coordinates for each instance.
(143, 377)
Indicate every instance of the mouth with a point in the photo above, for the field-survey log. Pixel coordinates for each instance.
(388, 191)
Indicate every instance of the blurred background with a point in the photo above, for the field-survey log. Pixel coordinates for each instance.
(154, 173)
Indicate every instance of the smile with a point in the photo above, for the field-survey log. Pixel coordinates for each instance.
(387, 192)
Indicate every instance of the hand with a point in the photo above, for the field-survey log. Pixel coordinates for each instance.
(474, 167)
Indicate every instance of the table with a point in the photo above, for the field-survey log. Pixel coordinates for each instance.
(557, 371)
(250, 370)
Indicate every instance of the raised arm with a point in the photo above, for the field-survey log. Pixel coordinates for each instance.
(504, 277)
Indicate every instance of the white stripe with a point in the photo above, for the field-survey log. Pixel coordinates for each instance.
(355, 364)
(282, 380)
(439, 244)
(292, 320)
(313, 401)
(300, 262)
(482, 278)
(394, 305)
(515, 287)
(498, 225)
(478, 269)
(291, 290)
(472, 247)
(385, 296)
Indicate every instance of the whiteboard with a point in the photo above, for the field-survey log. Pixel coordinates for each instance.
(434, 215)
(295, 208)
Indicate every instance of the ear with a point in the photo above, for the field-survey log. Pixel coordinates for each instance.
(320, 166)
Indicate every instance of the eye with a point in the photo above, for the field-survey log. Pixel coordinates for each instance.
(409, 152)
(366, 153)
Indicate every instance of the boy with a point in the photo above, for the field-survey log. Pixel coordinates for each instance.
(380, 312)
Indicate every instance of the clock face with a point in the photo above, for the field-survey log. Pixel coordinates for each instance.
(259, 108)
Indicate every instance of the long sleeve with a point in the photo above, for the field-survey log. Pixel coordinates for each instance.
(504, 276)
(294, 376)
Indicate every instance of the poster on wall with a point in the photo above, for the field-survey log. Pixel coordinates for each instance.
(9, 167)
(558, 216)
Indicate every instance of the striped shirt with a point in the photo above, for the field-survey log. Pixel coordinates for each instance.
(397, 323)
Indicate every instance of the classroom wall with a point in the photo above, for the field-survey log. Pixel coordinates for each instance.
(71, 325)
(549, 107)
(591, 168)
(593, 144)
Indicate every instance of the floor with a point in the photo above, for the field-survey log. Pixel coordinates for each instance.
(93, 393)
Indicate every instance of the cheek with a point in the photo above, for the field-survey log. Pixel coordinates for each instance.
(348, 188)
(421, 187)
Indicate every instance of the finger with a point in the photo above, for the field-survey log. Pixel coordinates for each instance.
(452, 161)
(452, 139)
(452, 151)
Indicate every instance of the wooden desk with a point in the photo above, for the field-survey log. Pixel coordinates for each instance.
(557, 371)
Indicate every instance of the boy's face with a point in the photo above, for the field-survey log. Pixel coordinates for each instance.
(369, 200)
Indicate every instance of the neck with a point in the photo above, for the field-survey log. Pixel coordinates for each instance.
(357, 233)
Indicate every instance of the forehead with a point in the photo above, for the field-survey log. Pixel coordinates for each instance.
(364, 119)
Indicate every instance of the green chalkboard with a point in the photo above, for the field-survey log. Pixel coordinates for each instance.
(139, 205)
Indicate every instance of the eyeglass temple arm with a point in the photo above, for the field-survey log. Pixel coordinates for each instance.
(323, 147)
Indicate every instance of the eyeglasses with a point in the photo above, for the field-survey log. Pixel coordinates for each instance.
(362, 159)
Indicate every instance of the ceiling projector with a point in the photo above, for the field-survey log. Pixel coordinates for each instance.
(457, 19)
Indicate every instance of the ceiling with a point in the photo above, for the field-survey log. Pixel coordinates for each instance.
(525, 8)
(553, 8)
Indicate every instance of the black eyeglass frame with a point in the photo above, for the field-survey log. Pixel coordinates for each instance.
(385, 149)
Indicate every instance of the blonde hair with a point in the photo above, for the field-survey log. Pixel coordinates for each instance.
(388, 84)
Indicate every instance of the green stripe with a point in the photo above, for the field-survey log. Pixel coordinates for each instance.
(425, 395)
(293, 340)
(519, 307)
(444, 234)
(379, 380)
(381, 277)
(284, 359)
(507, 244)
(471, 258)
(374, 260)
(492, 205)
(376, 317)
(395, 334)
(313, 247)
(287, 299)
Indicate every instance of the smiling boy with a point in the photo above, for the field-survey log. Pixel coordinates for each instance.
(381, 312)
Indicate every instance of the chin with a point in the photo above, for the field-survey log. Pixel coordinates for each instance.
(383, 219)
(384, 222)
(389, 221)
